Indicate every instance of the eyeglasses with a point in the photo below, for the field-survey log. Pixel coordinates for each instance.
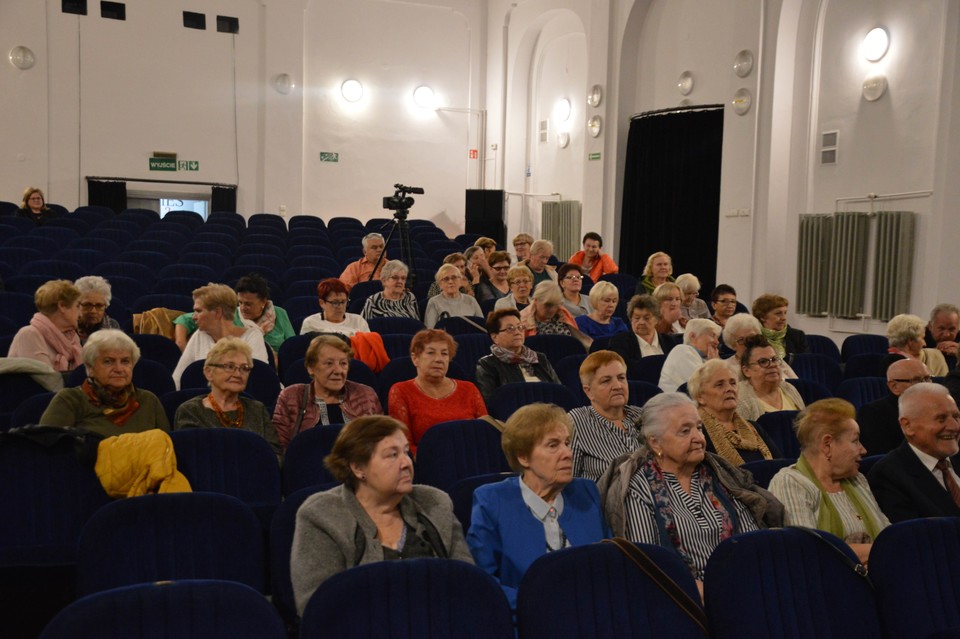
(915, 380)
(233, 368)
(521, 281)
(742, 340)
(450, 278)
(90, 306)
(501, 268)
(513, 328)
(519, 244)
(337, 303)
(573, 277)
(398, 278)
(766, 362)
(725, 302)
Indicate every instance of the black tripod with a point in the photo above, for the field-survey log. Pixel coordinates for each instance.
(400, 204)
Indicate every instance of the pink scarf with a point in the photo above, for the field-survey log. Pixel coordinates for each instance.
(66, 344)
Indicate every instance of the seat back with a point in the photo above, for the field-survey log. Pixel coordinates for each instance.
(159, 349)
(30, 410)
(171, 536)
(596, 590)
(451, 451)
(823, 345)
(800, 583)
(646, 369)
(510, 397)
(864, 365)
(190, 608)
(863, 390)
(818, 368)
(763, 470)
(436, 598)
(779, 426)
(555, 347)
(396, 325)
(282, 527)
(810, 390)
(461, 494)
(859, 344)
(303, 462)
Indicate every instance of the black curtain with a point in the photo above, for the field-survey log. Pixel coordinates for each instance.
(671, 191)
(223, 199)
(111, 194)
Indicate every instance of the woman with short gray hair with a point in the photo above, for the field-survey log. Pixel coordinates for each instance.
(906, 336)
(95, 296)
(700, 343)
(394, 300)
(451, 302)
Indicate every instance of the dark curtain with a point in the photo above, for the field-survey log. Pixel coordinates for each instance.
(111, 194)
(224, 199)
(671, 191)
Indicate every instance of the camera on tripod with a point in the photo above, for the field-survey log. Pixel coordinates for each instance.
(400, 201)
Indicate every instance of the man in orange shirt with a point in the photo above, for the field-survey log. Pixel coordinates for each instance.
(360, 270)
(591, 261)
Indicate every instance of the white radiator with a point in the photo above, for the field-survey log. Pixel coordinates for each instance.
(560, 223)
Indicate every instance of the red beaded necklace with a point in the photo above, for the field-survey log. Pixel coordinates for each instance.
(225, 421)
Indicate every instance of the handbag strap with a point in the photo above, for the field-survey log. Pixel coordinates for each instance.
(855, 566)
(303, 409)
(663, 581)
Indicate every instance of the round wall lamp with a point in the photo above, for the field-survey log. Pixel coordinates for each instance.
(875, 45)
(874, 86)
(595, 96)
(743, 63)
(351, 90)
(594, 126)
(562, 110)
(742, 100)
(563, 139)
(685, 83)
(22, 58)
(283, 84)
(424, 97)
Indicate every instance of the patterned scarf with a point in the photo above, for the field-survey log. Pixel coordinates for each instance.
(526, 356)
(66, 344)
(777, 340)
(267, 319)
(664, 509)
(727, 443)
(118, 405)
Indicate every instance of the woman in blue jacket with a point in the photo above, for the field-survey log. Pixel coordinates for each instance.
(544, 509)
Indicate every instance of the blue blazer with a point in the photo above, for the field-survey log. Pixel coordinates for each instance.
(505, 537)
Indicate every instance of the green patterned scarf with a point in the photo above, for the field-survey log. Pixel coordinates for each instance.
(829, 518)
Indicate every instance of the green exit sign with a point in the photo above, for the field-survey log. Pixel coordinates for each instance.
(163, 164)
(593, 156)
(329, 156)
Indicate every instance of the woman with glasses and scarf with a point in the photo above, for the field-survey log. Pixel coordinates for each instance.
(227, 369)
(765, 390)
(510, 360)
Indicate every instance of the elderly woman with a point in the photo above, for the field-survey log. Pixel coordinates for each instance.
(700, 343)
(460, 261)
(738, 329)
(670, 298)
(34, 207)
(691, 306)
(451, 302)
(723, 299)
(432, 397)
(214, 306)
(571, 283)
(253, 294)
(333, 316)
(609, 427)
(680, 496)
(546, 508)
(376, 514)
(906, 336)
(521, 246)
(227, 369)
(51, 337)
(714, 387)
(477, 266)
(496, 285)
(657, 271)
(546, 314)
(509, 360)
(601, 321)
(643, 339)
(95, 297)
(329, 399)
(765, 390)
(107, 403)
(521, 283)
(771, 310)
(540, 253)
(825, 489)
(394, 300)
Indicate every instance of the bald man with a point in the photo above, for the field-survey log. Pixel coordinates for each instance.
(880, 420)
(919, 477)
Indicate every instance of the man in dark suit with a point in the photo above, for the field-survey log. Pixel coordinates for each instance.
(942, 332)
(880, 420)
(919, 478)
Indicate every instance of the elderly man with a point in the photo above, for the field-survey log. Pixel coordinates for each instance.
(360, 270)
(880, 420)
(540, 252)
(591, 260)
(919, 479)
(942, 331)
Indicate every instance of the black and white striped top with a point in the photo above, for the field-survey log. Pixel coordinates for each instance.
(597, 441)
(379, 306)
(698, 522)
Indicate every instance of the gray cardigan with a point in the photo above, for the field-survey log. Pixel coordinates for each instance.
(333, 529)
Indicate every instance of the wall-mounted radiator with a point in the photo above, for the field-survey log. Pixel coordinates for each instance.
(560, 223)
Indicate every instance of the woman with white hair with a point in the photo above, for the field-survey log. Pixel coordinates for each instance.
(95, 296)
(601, 321)
(680, 496)
(394, 300)
(906, 336)
(540, 253)
(736, 331)
(700, 343)
(107, 403)
(657, 271)
(450, 302)
(691, 306)
(546, 314)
